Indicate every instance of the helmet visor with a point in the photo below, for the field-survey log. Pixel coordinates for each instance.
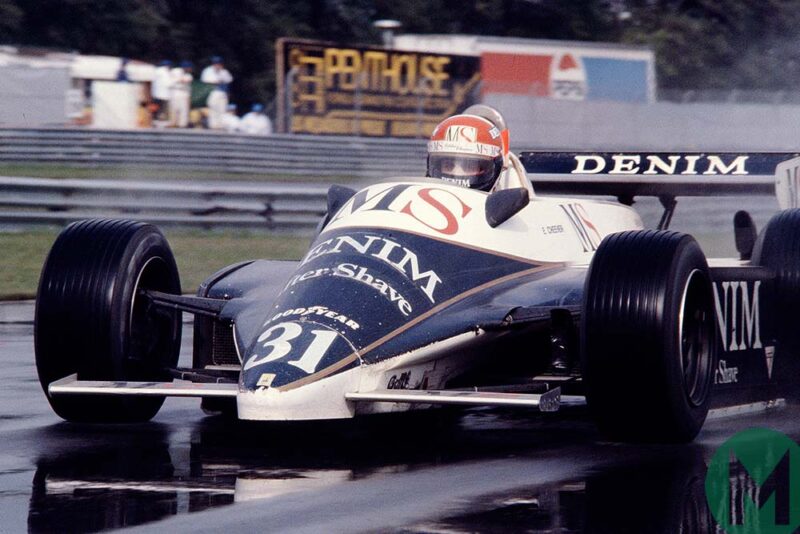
(467, 171)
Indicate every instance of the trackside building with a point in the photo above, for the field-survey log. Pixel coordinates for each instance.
(550, 69)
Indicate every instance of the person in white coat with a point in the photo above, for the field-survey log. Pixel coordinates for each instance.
(180, 94)
(256, 122)
(160, 89)
(231, 120)
(217, 75)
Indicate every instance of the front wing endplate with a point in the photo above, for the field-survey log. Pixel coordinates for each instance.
(70, 385)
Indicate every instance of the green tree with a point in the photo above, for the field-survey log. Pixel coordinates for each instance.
(698, 43)
(710, 44)
(11, 16)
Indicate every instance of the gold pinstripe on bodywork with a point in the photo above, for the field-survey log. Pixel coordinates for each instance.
(394, 333)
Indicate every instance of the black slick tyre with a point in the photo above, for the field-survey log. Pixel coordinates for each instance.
(91, 319)
(779, 249)
(648, 344)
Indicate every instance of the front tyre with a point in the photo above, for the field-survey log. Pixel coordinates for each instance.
(648, 342)
(92, 319)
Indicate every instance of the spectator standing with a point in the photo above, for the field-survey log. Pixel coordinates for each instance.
(217, 75)
(231, 120)
(180, 94)
(160, 89)
(256, 122)
(122, 73)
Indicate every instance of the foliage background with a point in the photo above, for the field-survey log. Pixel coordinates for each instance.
(699, 44)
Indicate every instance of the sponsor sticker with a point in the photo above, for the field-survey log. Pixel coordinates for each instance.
(400, 258)
(726, 375)
(468, 134)
(438, 209)
(315, 312)
(400, 381)
(362, 275)
(462, 147)
(738, 314)
(673, 164)
(463, 182)
(568, 78)
(769, 355)
(266, 380)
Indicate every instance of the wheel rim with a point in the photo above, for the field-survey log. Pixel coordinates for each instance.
(151, 329)
(695, 337)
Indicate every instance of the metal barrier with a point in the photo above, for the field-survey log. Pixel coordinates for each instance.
(292, 208)
(358, 157)
(26, 201)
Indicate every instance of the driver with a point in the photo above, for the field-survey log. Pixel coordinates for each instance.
(471, 150)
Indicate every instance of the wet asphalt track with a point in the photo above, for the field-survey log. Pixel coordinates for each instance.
(484, 470)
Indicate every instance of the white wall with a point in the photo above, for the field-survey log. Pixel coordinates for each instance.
(115, 104)
(665, 126)
(33, 97)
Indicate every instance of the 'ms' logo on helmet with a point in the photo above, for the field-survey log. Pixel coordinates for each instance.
(461, 133)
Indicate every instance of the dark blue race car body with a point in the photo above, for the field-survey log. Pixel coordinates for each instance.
(419, 293)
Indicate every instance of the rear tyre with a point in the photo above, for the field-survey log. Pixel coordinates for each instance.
(92, 320)
(778, 248)
(648, 342)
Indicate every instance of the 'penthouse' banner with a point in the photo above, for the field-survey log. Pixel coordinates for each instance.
(361, 90)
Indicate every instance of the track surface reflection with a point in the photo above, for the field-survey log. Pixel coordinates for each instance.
(480, 470)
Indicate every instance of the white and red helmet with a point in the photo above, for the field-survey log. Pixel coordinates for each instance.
(468, 150)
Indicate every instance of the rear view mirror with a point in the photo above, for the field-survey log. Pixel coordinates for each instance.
(504, 204)
(338, 195)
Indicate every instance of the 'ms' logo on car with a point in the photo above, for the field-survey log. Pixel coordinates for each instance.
(436, 208)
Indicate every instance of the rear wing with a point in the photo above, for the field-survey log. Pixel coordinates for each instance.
(666, 175)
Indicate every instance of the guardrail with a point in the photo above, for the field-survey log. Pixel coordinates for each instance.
(26, 201)
(276, 207)
(198, 149)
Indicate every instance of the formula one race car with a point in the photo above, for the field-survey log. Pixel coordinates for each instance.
(420, 293)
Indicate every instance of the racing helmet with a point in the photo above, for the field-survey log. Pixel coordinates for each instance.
(467, 150)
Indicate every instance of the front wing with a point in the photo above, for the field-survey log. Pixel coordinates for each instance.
(549, 401)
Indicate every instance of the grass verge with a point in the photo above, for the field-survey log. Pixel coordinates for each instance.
(198, 254)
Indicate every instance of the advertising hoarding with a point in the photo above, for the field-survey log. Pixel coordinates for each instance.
(551, 69)
(327, 88)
